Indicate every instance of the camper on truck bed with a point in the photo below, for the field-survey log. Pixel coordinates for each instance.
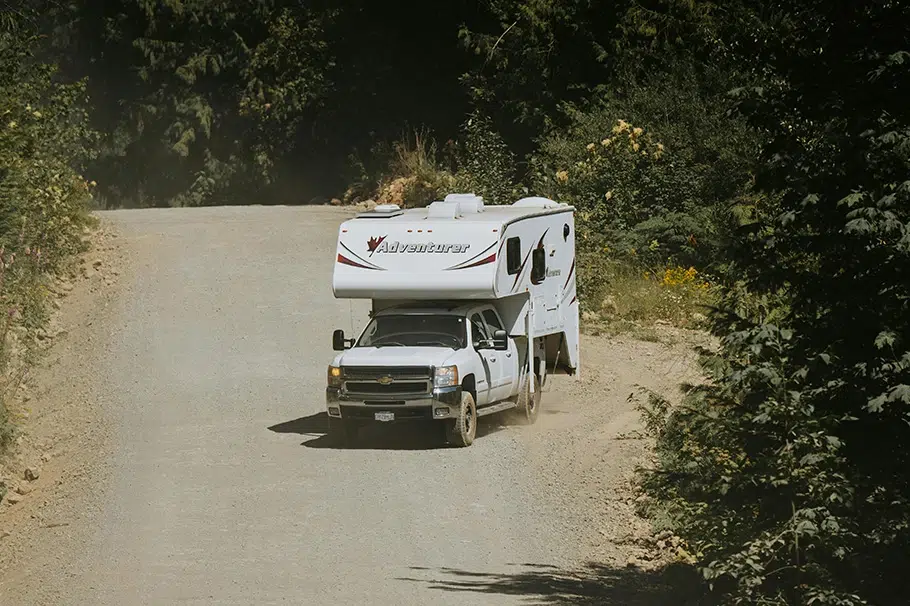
(473, 307)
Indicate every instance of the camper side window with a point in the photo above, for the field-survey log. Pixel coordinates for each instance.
(538, 265)
(513, 255)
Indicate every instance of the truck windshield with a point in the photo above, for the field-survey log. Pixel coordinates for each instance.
(413, 330)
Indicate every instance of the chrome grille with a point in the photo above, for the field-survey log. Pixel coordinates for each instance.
(403, 373)
(394, 388)
(379, 382)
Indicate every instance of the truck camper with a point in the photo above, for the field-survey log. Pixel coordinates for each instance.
(473, 307)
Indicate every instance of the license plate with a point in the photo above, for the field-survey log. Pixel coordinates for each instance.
(385, 416)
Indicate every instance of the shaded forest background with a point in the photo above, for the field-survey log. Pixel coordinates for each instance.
(747, 159)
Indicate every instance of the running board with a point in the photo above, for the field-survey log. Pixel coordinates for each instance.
(494, 408)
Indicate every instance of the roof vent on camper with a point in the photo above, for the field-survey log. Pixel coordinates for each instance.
(382, 211)
(468, 203)
(535, 202)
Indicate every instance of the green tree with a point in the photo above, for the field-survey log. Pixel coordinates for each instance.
(789, 473)
(200, 98)
(533, 56)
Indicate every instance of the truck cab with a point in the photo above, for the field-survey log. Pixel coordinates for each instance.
(425, 361)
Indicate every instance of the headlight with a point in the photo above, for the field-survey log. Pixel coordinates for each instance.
(334, 376)
(446, 376)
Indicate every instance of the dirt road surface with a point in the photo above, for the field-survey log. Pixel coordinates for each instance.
(195, 470)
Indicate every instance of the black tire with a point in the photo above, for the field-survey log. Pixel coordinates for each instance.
(343, 432)
(461, 432)
(528, 408)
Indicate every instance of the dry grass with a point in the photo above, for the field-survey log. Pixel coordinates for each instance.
(628, 299)
(416, 175)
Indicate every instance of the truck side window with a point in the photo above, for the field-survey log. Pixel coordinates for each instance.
(513, 255)
(492, 319)
(478, 330)
(538, 265)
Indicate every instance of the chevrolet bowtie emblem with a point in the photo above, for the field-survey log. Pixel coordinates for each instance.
(384, 380)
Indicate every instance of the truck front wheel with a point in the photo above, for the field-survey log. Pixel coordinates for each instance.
(461, 431)
(528, 407)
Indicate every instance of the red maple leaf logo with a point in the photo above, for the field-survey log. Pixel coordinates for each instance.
(374, 243)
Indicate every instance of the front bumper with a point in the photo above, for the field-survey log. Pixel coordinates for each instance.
(442, 403)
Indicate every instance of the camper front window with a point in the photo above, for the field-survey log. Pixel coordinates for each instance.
(415, 330)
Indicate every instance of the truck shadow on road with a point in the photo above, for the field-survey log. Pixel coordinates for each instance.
(595, 584)
(410, 436)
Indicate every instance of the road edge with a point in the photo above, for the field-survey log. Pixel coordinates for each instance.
(64, 433)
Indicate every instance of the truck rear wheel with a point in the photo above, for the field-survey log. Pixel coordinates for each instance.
(461, 431)
(528, 408)
(343, 431)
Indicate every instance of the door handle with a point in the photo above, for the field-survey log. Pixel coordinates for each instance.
(492, 359)
(509, 355)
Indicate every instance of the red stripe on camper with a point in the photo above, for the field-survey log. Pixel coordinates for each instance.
(345, 261)
(571, 273)
(488, 260)
(473, 261)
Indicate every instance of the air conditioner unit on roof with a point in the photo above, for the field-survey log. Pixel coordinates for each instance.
(468, 203)
(443, 210)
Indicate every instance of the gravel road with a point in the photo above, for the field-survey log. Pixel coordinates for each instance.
(219, 487)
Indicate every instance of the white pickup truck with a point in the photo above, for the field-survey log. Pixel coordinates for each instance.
(473, 307)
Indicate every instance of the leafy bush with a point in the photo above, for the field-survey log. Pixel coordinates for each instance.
(788, 470)
(666, 175)
(633, 199)
(43, 200)
(486, 166)
(413, 171)
(605, 176)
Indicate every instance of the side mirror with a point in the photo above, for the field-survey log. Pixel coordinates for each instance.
(500, 340)
(339, 343)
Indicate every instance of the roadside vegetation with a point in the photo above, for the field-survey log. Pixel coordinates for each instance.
(44, 199)
(741, 169)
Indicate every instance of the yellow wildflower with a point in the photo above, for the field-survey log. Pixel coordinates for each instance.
(562, 176)
(590, 147)
(679, 276)
(606, 142)
(636, 147)
(608, 195)
(637, 131)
